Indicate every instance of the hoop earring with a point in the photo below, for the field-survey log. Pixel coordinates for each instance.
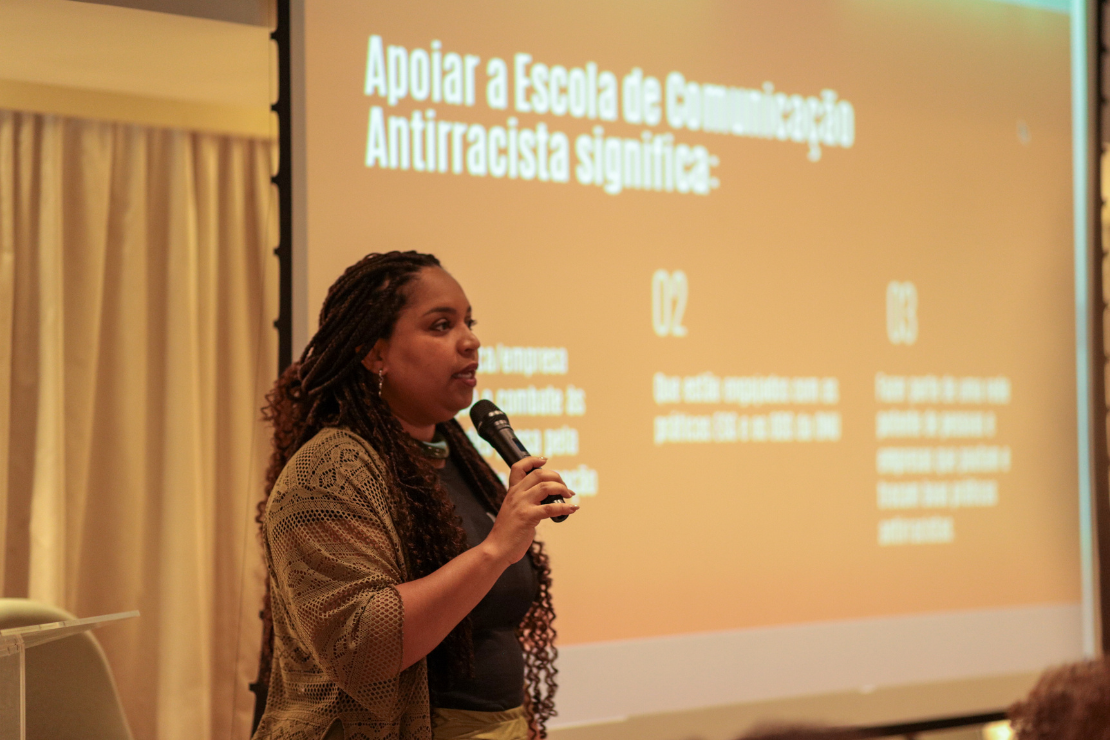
(381, 380)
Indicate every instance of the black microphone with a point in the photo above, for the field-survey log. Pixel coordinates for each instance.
(493, 426)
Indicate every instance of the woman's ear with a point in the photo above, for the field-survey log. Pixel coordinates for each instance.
(374, 361)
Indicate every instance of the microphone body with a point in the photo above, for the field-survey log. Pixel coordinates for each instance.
(493, 426)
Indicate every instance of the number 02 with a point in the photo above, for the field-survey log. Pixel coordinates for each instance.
(668, 302)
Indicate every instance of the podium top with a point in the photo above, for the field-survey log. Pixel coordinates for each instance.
(15, 638)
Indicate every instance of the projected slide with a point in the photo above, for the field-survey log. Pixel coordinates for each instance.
(788, 297)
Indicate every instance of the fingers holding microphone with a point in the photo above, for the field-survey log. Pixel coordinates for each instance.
(492, 425)
(524, 508)
(524, 466)
(545, 488)
(554, 501)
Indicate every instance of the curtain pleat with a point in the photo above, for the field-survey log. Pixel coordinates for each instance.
(137, 292)
(7, 305)
(49, 504)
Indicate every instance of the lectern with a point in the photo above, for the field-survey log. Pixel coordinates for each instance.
(14, 644)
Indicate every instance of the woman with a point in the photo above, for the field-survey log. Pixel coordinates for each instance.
(407, 597)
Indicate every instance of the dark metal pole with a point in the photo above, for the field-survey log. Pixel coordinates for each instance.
(283, 179)
(1100, 464)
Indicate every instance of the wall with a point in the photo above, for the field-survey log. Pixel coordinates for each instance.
(102, 62)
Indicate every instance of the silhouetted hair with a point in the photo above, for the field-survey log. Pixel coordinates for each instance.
(1068, 703)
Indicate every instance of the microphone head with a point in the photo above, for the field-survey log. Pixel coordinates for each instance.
(484, 412)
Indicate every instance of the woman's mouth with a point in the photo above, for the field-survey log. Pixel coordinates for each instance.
(467, 375)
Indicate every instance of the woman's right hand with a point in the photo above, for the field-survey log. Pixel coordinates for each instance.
(515, 526)
(434, 604)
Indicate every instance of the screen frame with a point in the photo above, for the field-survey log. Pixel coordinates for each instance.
(1091, 361)
(1088, 56)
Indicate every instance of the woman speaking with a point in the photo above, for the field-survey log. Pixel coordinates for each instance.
(407, 597)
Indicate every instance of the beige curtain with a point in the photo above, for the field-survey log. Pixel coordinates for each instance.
(137, 293)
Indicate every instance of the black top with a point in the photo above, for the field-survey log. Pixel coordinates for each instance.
(498, 682)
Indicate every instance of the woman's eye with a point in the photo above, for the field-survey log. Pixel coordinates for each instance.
(471, 323)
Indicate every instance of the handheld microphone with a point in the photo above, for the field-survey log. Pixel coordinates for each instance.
(493, 426)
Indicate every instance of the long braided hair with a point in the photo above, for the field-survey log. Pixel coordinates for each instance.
(330, 387)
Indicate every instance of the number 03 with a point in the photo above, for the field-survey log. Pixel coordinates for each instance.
(901, 312)
(668, 302)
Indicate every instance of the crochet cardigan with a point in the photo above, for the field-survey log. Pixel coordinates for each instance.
(334, 560)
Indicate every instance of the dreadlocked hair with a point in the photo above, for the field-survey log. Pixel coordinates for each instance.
(330, 387)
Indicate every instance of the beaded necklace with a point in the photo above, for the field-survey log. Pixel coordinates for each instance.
(437, 449)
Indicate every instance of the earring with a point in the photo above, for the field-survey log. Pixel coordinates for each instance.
(381, 380)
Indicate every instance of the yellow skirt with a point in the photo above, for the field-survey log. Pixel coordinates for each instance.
(463, 724)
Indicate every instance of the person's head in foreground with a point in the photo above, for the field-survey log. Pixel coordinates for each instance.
(1068, 703)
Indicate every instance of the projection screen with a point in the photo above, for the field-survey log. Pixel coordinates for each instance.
(792, 294)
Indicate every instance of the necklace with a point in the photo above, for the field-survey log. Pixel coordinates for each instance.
(437, 449)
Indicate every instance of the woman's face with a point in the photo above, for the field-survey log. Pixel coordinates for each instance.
(431, 359)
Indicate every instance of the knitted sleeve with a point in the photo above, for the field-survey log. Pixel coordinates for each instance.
(336, 559)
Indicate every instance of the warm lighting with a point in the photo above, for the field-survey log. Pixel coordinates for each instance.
(998, 731)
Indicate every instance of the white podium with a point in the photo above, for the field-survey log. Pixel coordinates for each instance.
(14, 644)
